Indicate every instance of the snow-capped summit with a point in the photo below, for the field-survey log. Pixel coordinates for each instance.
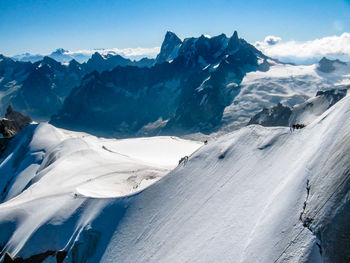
(61, 55)
(60, 51)
(202, 50)
(189, 91)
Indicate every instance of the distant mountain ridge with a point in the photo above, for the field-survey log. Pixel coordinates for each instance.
(197, 85)
(186, 90)
(82, 56)
(38, 89)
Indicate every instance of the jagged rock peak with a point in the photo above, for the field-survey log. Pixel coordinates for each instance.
(235, 35)
(49, 60)
(14, 121)
(234, 41)
(13, 115)
(73, 62)
(171, 36)
(327, 65)
(96, 55)
(168, 49)
(9, 110)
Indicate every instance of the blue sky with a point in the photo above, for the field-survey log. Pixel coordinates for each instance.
(42, 26)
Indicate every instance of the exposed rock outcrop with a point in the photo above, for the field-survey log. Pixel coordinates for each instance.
(38, 258)
(187, 87)
(301, 114)
(327, 65)
(276, 116)
(13, 122)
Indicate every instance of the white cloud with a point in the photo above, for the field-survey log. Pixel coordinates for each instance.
(308, 51)
(271, 40)
(125, 52)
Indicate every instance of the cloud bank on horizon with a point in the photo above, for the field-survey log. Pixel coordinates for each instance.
(134, 53)
(64, 56)
(308, 52)
(298, 52)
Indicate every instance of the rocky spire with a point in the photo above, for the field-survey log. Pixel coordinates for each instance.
(171, 40)
(14, 121)
(233, 42)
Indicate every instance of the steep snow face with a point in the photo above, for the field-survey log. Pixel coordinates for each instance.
(308, 111)
(286, 84)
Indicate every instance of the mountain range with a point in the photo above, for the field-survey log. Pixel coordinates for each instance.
(65, 56)
(256, 168)
(258, 194)
(39, 89)
(198, 85)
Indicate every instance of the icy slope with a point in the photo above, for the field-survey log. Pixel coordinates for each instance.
(241, 199)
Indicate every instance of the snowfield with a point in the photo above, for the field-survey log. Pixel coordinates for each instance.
(74, 162)
(255, 195)
(284, 83)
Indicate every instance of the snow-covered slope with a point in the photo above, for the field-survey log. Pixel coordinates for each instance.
(308, 111)
(242, 199)
(256, 195)
(282, 83)
(48, 173)
(43, 157)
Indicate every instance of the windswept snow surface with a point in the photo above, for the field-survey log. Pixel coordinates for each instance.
(47, 173)
(240, 199)
(66, 161)
(255, 195)
(284, 83)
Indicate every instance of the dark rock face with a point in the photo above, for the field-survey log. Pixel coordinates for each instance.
(84, 249)
(102, 63)
(333, 95)
(3, 145)
(39, 258)
(36, 89)
(39, 89)
(11, 70)
(276, 116)
(280, 115)
(60, 256)
(13, 122)
(190, 92)
(169, 47)
(328, 65)
(8, 258)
